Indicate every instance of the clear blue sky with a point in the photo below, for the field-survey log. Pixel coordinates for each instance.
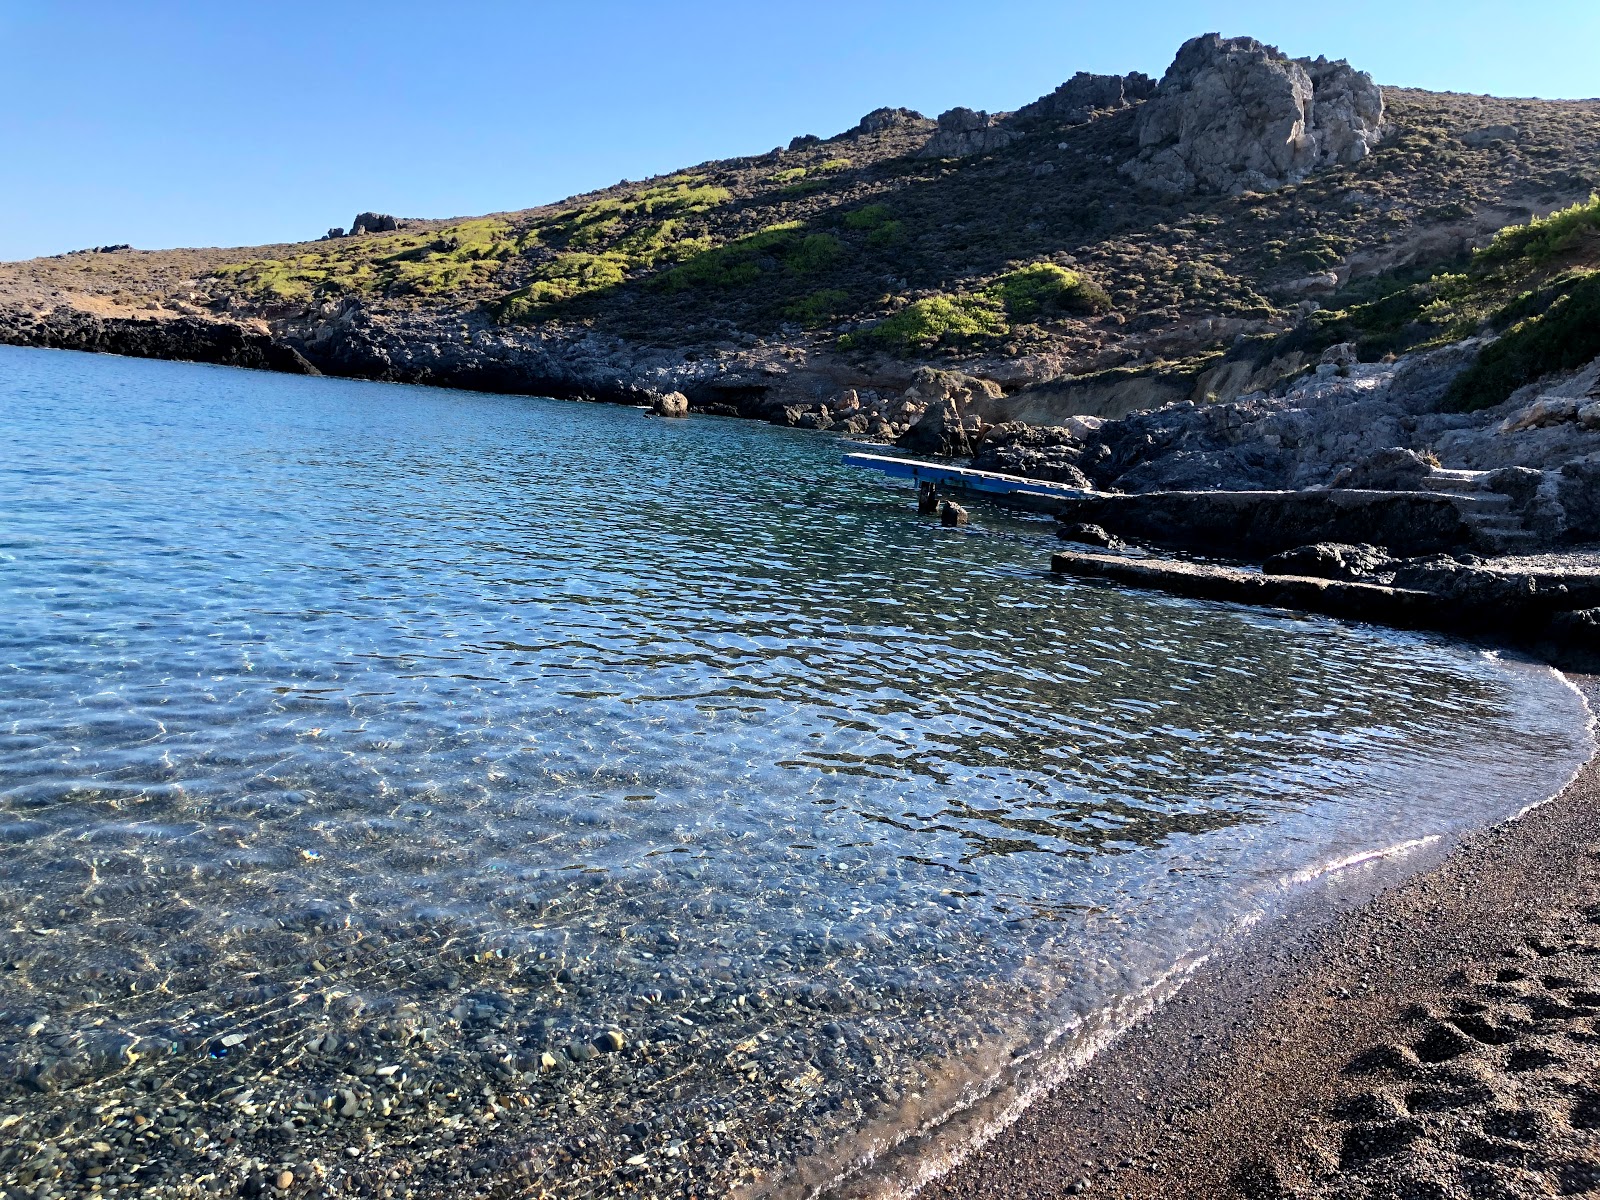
(235, 122)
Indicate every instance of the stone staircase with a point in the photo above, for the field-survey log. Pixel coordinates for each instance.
(1496, 526)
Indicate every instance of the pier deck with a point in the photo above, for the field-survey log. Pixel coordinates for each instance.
(1030, 493)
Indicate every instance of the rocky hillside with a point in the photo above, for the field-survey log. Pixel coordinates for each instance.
(1115, 245)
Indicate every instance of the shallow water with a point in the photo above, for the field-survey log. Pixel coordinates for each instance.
(347, 726)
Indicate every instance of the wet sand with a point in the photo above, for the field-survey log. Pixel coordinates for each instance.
(1441, 1039)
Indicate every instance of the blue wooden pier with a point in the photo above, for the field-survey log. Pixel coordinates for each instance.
(1013, 489)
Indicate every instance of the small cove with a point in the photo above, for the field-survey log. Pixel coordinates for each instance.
(350, 726)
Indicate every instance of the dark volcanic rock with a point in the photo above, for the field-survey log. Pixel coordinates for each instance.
(1329, 560)
(1254, 523)
(880, 120)
(1578, 488)
(186, 339)
(962, 131)
(1089, 535)
(1084, 96)
(1392, 469)
(937, 431)
(371, 222)
(1038, 452)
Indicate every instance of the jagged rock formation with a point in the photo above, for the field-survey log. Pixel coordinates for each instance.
(951, 404)
(1234, 115)
(1086, 96)
(880, 120)
(963, 131)
(371, 222)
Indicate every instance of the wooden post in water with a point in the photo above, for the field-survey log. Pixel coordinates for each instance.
(927, 496)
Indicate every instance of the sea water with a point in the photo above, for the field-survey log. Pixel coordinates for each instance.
(424, 792)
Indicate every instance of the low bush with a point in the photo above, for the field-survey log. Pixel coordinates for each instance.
(784, 247)
(1566, 335)
(819, 307)
(929, 322)
(463, 255)
(883, 231)
(1044, 289)
(1545, 238)
(560, 279)
(870, 216)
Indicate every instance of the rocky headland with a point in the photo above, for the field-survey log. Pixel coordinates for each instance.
(1259, 304)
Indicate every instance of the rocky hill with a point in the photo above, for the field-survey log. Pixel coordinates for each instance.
(1115, 245)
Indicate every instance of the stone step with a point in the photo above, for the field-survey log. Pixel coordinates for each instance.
(1471, 503)
(1456, 481)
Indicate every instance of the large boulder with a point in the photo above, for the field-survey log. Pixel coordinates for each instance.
(371, 222)
(1392, 469)
(938, 431)
(1233, 115)
(952, 407)
(963, 131)
(670, 404)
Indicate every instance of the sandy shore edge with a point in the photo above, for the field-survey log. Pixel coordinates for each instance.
(1443, 1033)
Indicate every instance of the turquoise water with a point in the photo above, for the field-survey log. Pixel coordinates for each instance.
(348, 726)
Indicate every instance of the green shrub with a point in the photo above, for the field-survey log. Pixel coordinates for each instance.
(927, 323)
(815, 253)
(878, 223)
(887, 236)
(819, 307)
(1564, 336)
(594, 223)
(1544, 238)
(458, 256)
(869, 217)
(1044, 289)
(834, 164)
(742, 262)
(789, 176)
(563, 278)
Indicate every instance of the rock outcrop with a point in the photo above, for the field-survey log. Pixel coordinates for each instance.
(184, 339)
(881, 120)
(1234, 115)
(1520, 476)
(1038, 452)
(963, 131)
(951, 406)
(1330, 560)
(1085, 96)
(371, 222)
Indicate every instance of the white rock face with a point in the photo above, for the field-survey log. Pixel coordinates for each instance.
(1233, 115)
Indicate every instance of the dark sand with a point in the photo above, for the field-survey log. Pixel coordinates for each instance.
(1439, 1040)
